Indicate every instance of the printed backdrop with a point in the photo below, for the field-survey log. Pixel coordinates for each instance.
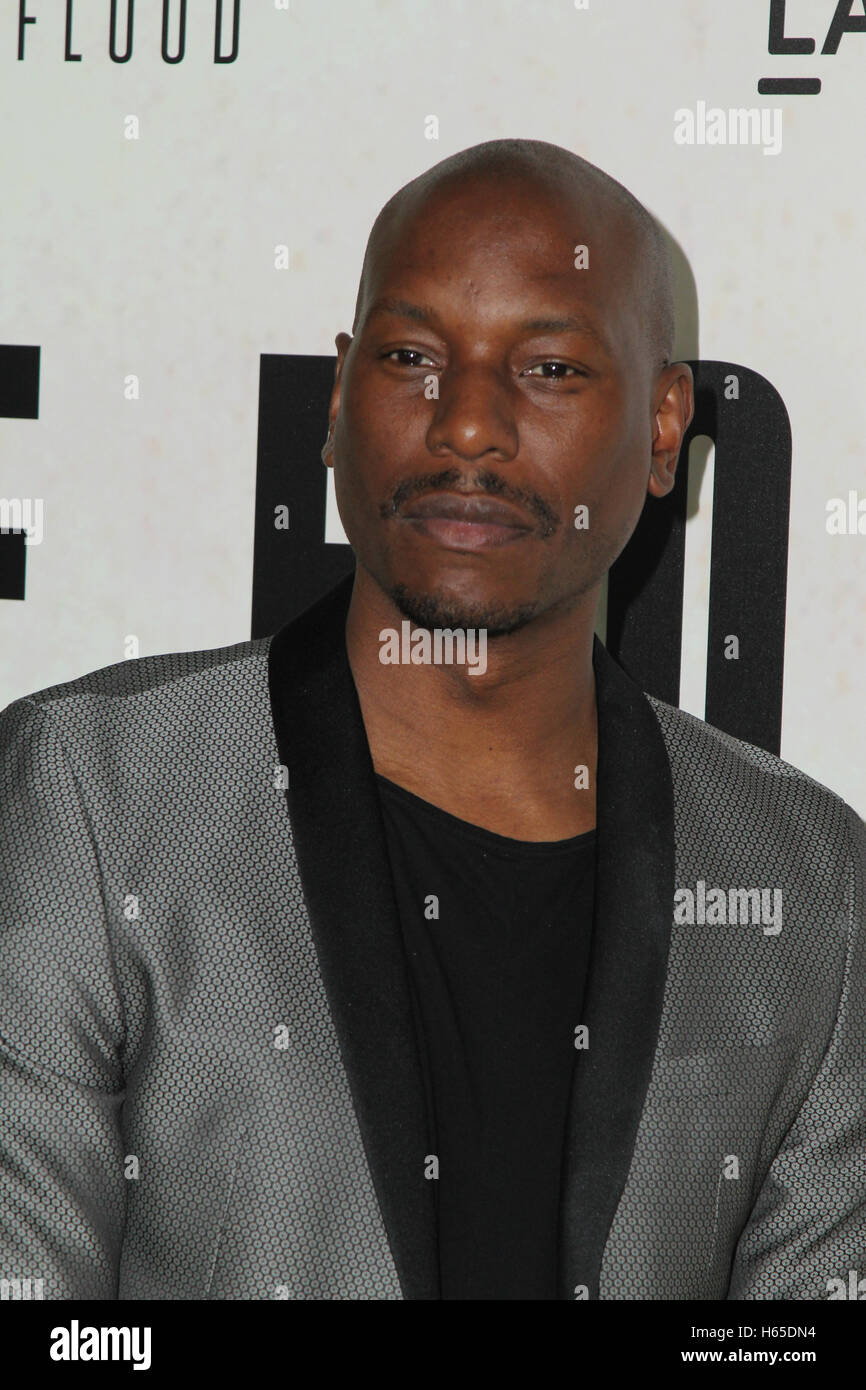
(185, 196)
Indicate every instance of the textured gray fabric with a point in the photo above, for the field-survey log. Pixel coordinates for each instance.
(156, 1036)
(762, 1050)
(155, 778)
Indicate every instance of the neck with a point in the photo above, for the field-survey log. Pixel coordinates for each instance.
(497, 747)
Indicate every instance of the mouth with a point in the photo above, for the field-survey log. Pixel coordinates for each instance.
(462, 521)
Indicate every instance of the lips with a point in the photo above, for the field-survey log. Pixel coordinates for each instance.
(469, 507)
(466, 521)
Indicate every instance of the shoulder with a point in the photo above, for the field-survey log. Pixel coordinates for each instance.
(752, 795)
(145, 702)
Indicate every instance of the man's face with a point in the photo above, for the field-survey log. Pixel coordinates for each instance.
(470, 421)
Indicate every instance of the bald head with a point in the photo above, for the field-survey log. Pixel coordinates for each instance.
(552, 171)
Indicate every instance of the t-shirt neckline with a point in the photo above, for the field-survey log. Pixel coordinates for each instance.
(479, 833)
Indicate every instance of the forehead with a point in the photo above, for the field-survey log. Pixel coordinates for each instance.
(488, 249)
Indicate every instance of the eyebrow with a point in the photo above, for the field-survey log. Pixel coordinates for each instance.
(571, 324)
(419, 313)
(403, 309)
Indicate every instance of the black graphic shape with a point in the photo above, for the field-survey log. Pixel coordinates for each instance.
(291, 569)
(748, 563)
(19, 400)
(789, 86)
(19, 382)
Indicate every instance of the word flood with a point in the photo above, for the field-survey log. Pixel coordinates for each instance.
(121, 30)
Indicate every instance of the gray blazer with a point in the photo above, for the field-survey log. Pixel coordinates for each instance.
(209, 1083)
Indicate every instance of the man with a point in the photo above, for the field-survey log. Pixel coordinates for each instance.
(367, 962)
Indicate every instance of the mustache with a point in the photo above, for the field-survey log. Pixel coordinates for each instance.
(483, 481)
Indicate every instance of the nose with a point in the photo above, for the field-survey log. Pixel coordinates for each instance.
(474, 415)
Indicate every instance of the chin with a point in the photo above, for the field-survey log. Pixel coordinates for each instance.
(444, 610)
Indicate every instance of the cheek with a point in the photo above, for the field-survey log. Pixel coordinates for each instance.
(380, 428)
(351, 473)
(608, 476)
(591, 453)
(357, 441)
(365, 462)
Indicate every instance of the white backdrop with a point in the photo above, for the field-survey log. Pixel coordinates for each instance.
(155, 257)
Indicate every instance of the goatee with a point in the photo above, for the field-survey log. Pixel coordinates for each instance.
(435, 611)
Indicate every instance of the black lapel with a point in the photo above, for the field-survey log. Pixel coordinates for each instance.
(345, 873)
(634, 893)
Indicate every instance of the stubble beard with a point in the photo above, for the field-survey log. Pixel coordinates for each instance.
(441, 611)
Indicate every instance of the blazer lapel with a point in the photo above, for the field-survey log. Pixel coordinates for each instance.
(622, 1007)
(346, 878)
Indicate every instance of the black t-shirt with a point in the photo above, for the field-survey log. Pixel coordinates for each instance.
(497, 935)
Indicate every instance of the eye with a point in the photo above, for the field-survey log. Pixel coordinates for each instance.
(558, 372)
(403, 353)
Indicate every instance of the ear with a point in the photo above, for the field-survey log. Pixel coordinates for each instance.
(342, 343)
(674, 409)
